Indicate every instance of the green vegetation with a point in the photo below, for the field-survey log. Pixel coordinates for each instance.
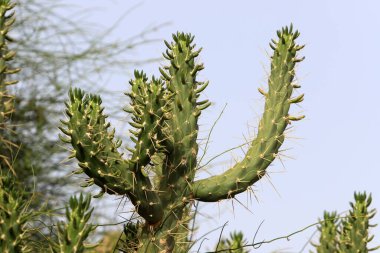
(349, 233)
(234, 244)
(159, 173)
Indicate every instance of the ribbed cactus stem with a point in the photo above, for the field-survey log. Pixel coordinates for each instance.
(264, 148)
(181, 129)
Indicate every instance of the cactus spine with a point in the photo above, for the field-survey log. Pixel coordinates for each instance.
(159, 174)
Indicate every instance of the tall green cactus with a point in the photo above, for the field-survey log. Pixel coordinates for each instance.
(159, 174)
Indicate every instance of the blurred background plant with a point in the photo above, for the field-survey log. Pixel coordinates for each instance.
(56, 48)
(51, 62)
(234, 243)
(349, 233)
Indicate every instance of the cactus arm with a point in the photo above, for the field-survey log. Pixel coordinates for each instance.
(71, 235)
(14, 217)
(328, 228)
(94, 145)
(149, 109)
(181, 130)
(96, 150)
(270, 136)
(355, 236)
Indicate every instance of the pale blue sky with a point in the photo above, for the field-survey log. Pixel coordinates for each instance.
(335, 148)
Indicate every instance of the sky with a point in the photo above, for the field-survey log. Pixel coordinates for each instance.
(329, 155)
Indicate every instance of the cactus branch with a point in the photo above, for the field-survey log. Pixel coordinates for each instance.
(14, 216)
(71, 235)
(96, 150)
(264, 148)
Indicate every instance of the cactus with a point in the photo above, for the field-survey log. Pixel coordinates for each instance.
(14, 216)
(329, 231)
(159, 174)
(6, 21)
(71, 235)
(6, 99)
(351, 234)
(14, 201)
